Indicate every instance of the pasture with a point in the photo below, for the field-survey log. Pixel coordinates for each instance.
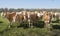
(21, 31)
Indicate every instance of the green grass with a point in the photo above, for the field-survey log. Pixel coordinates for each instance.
(4, 31)
(3, 24)
(30, 32)
(25, 32)
(3, 20)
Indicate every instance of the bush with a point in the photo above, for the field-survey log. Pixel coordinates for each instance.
(56, 26)
(1, 21)
(39, 24)
(18, 24)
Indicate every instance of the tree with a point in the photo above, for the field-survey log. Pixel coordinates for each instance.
(11, 9)
(6, 10)
(18, 10)
(1, 9)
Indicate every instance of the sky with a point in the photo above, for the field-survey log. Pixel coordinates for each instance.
(30, 4)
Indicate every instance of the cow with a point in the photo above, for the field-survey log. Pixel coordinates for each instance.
(20, 17)
(57, 16)
(39, 15)
(1, 14)
(32, 17)
(25, 14)
(47, 20)
(25, 17)
(10, 16)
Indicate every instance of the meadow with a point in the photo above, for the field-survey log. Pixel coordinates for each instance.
(21, 31)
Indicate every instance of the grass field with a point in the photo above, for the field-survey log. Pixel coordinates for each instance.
(4, 31)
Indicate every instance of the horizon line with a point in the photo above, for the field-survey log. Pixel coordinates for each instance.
(32, 8)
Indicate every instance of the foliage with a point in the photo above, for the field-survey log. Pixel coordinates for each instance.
(21, 9)
(21, 31)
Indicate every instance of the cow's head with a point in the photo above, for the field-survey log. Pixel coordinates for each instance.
(4, 14)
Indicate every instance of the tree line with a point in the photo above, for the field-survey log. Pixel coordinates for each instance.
(21, 9)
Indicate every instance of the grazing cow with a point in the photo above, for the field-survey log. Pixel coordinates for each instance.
(10, 16)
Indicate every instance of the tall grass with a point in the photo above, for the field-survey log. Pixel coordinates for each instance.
(3, 24)
(4, 31)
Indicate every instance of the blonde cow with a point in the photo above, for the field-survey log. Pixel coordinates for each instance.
(47, 20)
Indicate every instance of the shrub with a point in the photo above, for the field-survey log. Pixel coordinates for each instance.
(39, 24)
(56, 26)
